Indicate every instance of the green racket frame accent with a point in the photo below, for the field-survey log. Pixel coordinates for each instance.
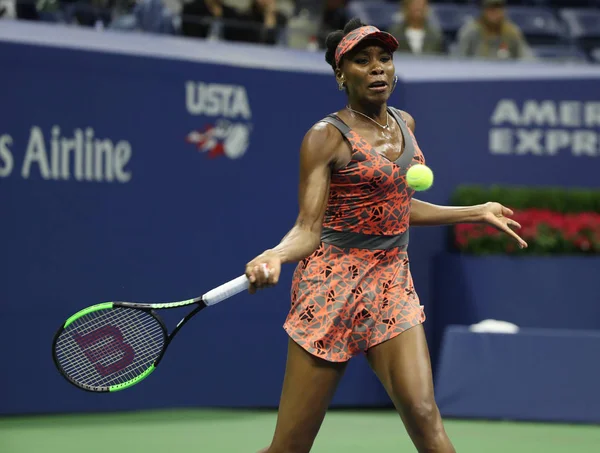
(85, 311)
(125, 385)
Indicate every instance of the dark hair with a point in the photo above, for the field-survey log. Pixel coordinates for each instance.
(335, 37)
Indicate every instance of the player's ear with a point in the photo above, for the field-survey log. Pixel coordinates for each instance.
(339, 77)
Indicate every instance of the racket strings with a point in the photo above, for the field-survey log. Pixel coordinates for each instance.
(109, 347)
(139, 347)
(85, 327)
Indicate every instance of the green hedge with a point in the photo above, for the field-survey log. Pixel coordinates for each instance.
(571, 227)
(553, 198)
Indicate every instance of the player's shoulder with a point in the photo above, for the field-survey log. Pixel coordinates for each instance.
(407, 117)
(323, 132)
(321, 143)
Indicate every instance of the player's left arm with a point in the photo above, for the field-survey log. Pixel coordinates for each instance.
(428, 214)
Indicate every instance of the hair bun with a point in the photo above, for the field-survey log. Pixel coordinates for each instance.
(335, 37)
(352, 25)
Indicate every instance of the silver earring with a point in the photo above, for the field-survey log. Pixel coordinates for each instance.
(394, 85)
(341, 86)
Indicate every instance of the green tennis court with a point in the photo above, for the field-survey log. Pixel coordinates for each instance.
(246, 431)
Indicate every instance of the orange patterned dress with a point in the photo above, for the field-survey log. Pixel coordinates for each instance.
(356, 290)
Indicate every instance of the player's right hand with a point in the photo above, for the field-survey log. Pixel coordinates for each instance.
(263, 271)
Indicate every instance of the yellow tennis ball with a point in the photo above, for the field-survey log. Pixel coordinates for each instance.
(419, 177)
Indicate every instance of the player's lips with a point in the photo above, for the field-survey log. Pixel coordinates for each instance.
(378, 86)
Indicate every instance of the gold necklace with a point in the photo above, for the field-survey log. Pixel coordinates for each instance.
(387, 126)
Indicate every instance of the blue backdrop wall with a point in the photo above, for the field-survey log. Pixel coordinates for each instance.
(136, 168)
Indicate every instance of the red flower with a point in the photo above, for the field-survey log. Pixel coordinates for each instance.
(544, 229)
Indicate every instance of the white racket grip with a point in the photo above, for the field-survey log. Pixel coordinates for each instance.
(226, 290)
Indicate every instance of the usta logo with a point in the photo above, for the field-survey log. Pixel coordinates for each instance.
(229, 133)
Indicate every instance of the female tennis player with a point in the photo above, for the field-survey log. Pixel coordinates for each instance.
(352, 290)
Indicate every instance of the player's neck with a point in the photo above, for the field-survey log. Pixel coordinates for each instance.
(378, 112)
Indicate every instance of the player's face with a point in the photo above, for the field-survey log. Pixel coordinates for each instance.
(368, 72)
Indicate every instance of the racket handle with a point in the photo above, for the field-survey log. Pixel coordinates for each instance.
(226, 290)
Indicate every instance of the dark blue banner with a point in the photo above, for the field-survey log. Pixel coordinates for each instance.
(155, 178)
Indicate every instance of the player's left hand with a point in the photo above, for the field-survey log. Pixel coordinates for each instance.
(498, 216)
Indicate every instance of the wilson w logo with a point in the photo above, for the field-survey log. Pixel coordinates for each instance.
(106, 343)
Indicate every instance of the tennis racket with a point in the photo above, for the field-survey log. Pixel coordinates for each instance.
(114, 345)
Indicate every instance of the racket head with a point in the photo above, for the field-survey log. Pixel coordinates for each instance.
(109, 347)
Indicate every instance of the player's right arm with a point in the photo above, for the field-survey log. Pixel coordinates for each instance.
(318, 154)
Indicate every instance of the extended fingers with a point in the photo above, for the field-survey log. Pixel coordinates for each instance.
(506, 211)
(513, 223)
(510, 232)
(505, 225)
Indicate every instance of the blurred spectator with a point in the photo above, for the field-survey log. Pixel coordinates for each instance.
(26, 10)
(263, 23)
(150, 16)
(416, 33)
(334, 18)
(7, 9)
(90, 13)
(492, 35)
(200, 19)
